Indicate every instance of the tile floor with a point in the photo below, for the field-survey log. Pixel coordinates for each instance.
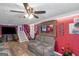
(14, 49)
(19, 49)
(4, 51)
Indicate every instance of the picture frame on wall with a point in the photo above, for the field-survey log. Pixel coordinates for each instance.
(74, 28)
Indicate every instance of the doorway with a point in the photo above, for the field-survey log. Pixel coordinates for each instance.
(9, 33)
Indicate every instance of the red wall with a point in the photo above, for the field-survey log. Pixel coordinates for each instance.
(0, 31)
(66, 39)
(27, 30)
(37, 29)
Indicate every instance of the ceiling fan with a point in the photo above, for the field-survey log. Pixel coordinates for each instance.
(30, 11)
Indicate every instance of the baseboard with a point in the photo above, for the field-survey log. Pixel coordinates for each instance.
(58, 53)
(61, 54)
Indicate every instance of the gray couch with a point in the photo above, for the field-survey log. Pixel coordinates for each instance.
(43, 46)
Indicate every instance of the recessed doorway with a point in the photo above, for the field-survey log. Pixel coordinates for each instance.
(9, 33)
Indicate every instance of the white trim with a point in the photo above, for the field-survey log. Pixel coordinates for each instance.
(58, 53)
(61, 54)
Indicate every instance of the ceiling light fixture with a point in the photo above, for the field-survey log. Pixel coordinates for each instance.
(26, 15)
(29, 16)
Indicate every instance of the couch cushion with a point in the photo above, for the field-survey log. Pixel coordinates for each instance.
(40, 49)
(43, 45)
(34, 43)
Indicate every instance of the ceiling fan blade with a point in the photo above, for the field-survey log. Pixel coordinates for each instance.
(26, 5)
(39, 12)
(35, 16)
(16, 11)
(28, 8)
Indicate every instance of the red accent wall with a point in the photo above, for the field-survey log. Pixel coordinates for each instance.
(27, 30)
(66, 39)
(0, 31)
(37, 29)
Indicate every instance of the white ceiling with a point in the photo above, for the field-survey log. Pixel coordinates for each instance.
(53, 10)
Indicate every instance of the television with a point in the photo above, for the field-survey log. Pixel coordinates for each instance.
(43, 28)
(8, 30)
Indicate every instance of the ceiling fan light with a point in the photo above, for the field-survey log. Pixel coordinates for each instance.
(31, 16)
(26, 15)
